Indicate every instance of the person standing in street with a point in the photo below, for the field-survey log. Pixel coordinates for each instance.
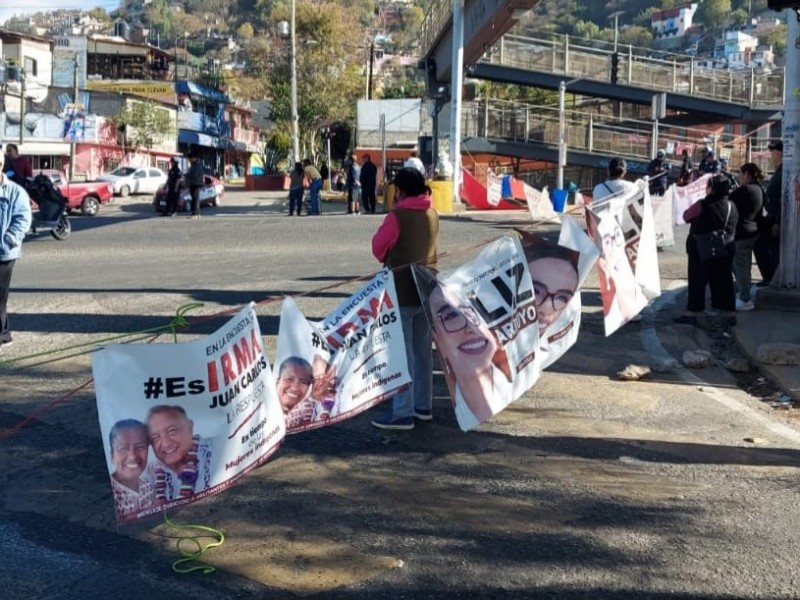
(687, 168)
(768, 243)
(658, 171)
(414, 162)
(369, 184)
(749, 201)
(297, 178)
(173, 187)
(409, 234)
(194, 181)
(314, 185)
(16, 167)
(353, 186)
(15, 221)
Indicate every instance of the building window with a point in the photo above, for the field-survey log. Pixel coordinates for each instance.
(30, 65)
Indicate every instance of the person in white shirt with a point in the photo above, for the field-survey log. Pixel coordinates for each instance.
(616, 186)
(414, 162)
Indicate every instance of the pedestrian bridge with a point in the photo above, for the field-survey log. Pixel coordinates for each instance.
(492, 51)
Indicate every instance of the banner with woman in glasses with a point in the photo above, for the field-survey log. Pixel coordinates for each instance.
(483, 317)
(627, 269)
(329, 371)
(558, 270)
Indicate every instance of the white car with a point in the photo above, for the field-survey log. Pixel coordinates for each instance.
(135, 180)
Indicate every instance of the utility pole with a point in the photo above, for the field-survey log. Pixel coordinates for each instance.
(562, 135)
(456, 81)
(74, 114)
(295, 117)
(788, 274)
(21, 104)
(369, 75)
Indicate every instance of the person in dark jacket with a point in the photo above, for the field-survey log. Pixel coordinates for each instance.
(709, 164)
(17, 168)
(687, 169)
(194, 181)
(749, 200)
(173, 187)
(767, 246)
(369, 184)
(717, 212)
(658, 171)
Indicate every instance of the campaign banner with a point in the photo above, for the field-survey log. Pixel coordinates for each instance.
(329, 371)
(180, 422)
(539, 205)
(558, 271)
(662, 218)
(494, 188)
(617, 228)
(685, 195)
(483, 318)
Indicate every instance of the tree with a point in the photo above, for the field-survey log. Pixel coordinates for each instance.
(739, 17)
(245, 31)
(145, 123)
(713, 13)
(330, 69)
(586, 30)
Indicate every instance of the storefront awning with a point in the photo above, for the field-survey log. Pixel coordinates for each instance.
(199, 139)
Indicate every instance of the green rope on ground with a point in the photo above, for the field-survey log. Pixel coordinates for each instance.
(179, 321)
(192, 555)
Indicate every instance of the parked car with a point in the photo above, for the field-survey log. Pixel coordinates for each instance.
(86, 196)
(135, 180)
(210, 195)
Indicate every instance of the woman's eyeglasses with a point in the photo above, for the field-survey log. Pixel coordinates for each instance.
(456, 319)
(616, 239)
(558, 299)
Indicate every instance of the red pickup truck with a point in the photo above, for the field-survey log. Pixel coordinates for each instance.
(84, 196)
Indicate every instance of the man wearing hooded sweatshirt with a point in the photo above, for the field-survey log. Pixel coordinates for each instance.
(15, 220)
(409, 234)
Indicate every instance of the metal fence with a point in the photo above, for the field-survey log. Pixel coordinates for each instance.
(604, 135)
(682, 74)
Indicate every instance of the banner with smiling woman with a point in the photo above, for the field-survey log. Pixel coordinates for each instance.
(180, 422)
(558, 269)
(483, 317)
(332, 370)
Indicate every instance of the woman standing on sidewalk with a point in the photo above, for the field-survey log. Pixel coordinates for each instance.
(749, 200)
(296, 179)
(714, 213)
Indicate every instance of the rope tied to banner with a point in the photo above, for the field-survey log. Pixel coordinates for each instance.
(190, 555)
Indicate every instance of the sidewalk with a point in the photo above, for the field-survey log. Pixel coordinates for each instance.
(767, 325)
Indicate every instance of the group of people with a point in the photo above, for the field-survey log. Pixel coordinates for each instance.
(181, 468)
(193, 179)
(747, 217)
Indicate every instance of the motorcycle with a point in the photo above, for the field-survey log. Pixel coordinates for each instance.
(52, 208)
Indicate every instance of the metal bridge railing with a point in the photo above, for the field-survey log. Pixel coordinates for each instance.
(603, 135)
(681, 74)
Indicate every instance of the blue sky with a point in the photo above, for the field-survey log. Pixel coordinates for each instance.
(8, 8)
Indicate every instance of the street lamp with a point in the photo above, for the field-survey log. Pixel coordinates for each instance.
(293, 43)
(615, 16)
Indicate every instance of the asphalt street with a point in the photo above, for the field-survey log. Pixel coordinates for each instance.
(680, 485)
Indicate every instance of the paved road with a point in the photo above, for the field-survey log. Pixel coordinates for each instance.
(585, 488)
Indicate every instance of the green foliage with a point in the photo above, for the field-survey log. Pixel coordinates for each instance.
(713, 13)
(739, 17)
(245, 31)
(276, 151)
(777, 39)
(586, 30)
(146, 123)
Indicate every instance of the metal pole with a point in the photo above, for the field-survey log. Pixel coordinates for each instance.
(21, 105)
(562, 132)
(74, 108)
(295, 117)
(788, 274)
(369, 75)
(382, 122)
(456, 80)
